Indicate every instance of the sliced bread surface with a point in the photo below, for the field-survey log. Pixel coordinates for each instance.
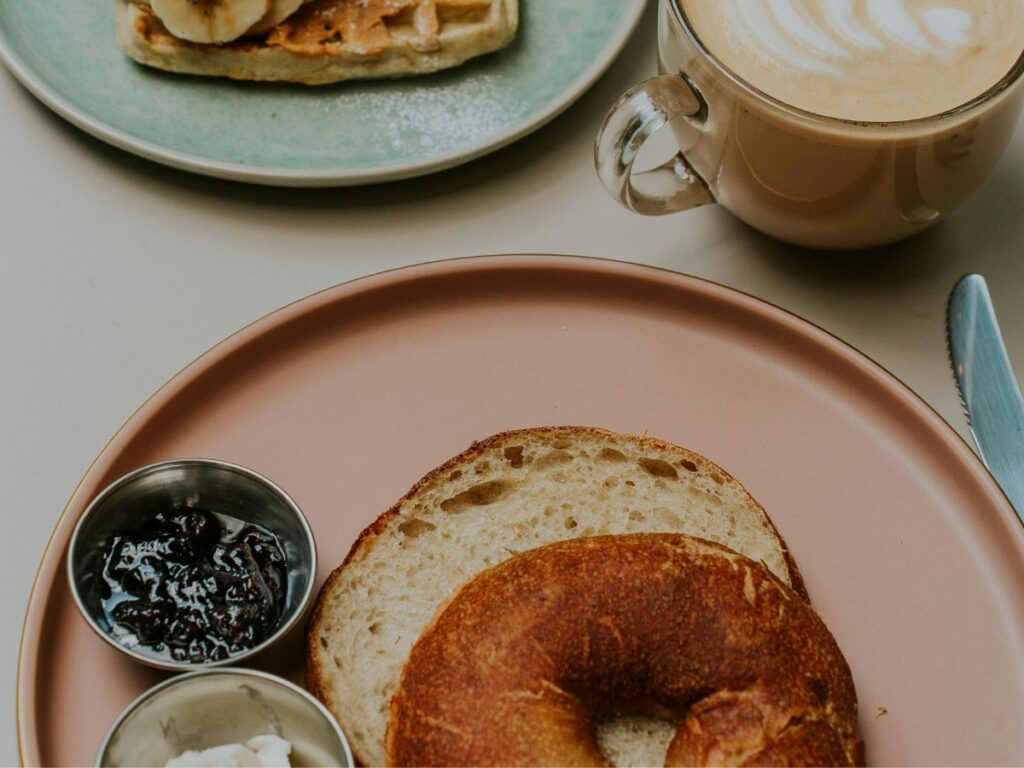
(508, 493)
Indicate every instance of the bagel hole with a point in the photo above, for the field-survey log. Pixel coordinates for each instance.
(570, 523)
(634, 739)
(688, 465)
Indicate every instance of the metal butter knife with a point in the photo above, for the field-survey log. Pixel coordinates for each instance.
(988, 388)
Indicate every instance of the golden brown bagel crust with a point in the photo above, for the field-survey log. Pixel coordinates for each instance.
(514, 667)
(322, 677)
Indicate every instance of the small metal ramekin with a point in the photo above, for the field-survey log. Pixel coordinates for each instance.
(210, 708)
(216, 486)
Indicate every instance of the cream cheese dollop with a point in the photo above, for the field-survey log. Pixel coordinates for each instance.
(267, 751)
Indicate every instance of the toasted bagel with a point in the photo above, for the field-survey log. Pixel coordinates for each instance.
(506, 494)
(521, 661)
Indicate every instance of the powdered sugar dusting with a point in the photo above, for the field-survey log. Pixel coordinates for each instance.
(438, 120)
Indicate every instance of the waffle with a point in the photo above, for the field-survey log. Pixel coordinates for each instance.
(327, 41)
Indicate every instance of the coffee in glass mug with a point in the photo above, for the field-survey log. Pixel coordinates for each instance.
(826, 123)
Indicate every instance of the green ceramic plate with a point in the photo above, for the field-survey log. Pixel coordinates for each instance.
(64, 51)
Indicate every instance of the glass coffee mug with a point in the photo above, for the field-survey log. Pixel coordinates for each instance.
(809, 179)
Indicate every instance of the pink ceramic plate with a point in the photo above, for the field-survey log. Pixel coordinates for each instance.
(910, 552)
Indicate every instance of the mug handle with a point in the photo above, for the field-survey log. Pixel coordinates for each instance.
(673, 186)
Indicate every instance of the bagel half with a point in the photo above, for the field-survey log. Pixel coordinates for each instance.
(516, 668)
(509, 493)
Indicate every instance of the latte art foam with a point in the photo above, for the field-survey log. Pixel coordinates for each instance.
(830, 40)
(872, 60)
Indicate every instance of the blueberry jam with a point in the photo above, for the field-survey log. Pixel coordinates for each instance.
(193, 585)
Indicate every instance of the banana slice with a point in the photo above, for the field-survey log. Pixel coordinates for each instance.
(209, 21)
(279, 11)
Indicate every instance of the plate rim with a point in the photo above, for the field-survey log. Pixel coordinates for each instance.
(910, 399)
(274, 176)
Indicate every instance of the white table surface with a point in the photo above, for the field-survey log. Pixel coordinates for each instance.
(115, 273)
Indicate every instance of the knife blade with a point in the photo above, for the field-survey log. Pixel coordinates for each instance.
(988, 388)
